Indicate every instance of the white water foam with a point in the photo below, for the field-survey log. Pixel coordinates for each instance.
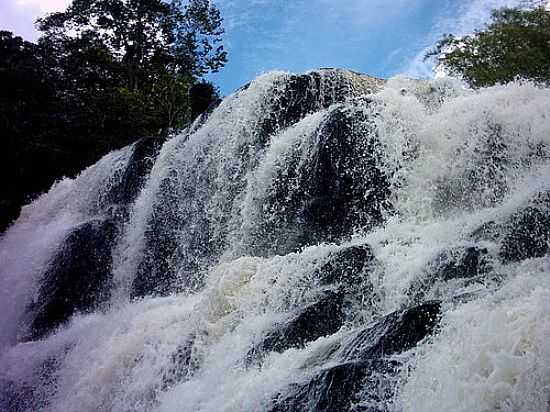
(27, 246)
(491, 353)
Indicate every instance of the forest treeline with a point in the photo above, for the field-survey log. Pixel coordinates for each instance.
(105, 73)
(102, 74)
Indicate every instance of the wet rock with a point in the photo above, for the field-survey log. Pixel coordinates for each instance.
(488, 231)
(185, 361)
(364, 365)
(324, 194)
(143, 157)
(528, 235)
(322, 318)
(300, 95)
(525, 234)
(346, 266)
(165, 263)
(364, 386)
(326, 316)
(395, 333)
(182, 240)
(462, 263)
(483, 182)
(332, 389)
(78, 278)
(30, 395)
(15, 398)
(344, 193)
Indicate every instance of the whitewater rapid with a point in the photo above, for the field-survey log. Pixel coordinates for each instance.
(227, 238)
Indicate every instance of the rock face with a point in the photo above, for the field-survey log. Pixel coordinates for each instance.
(528, 234)
(141, 161)
(323, 198)
(342, 194)
(524, 234)
(77, 279)
(346, 266)
(321, 192)
(181, 236)
(364, 357)
(468, 262)
(322, 318)
(300, 95)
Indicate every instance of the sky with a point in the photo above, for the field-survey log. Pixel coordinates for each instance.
(377, 37)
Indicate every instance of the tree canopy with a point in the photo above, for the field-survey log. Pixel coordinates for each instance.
(516, 43)
(145, 36)
(145, 52)
(103, 74)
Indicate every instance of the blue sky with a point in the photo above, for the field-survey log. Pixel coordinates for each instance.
(377, 37)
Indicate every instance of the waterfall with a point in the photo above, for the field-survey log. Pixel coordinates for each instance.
(325, 241)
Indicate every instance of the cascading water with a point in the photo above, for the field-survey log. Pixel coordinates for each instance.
(321, 242)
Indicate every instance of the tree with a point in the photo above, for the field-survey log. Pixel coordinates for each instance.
(103, 74)
(147, 35)
(28, 120)
(516, 43)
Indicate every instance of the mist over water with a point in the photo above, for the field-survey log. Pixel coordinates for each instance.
(325, 241)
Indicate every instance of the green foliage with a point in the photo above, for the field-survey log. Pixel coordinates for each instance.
(515, 44)
(29, 119)
(153, 48)
(104, 74)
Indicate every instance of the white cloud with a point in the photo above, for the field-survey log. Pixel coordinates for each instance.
(19, 16)
(46, 6)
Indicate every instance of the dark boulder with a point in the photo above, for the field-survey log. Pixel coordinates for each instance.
(462, 263)
(528, 235)
(77, 279)
(134, 175)
(468, 264)
(523, 235)
(394, 333)
(29, 396)
(488, 231)
(342, 273)
(322, 318)
(346, 266)
(332, 389)
(342, 191)
(364, 386)
(180, 208)
(167, 265)
(365, 365)
(300, 219)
